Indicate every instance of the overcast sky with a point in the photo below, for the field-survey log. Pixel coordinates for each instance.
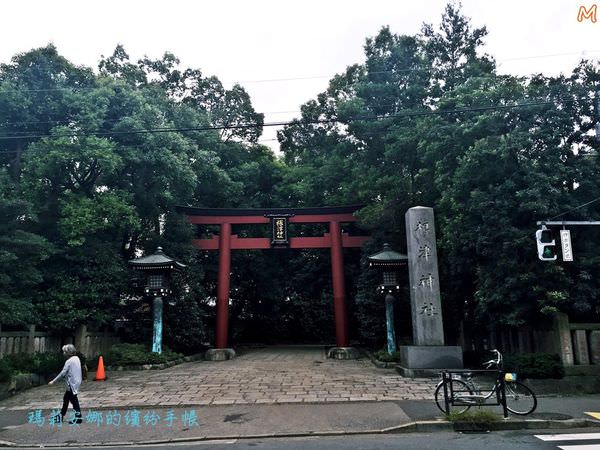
(257, 42)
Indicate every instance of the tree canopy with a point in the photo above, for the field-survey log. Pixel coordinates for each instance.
(93, 164)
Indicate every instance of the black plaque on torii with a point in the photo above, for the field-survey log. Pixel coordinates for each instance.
(279, 228)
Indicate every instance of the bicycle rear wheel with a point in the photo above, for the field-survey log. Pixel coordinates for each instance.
(457, 385)
(520, 399)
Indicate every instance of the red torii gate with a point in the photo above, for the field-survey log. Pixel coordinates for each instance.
(279, 218)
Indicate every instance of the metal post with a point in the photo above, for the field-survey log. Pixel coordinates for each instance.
(389, 316)
(445, 384)
(568, 222)
(157, 335)
(503, 395)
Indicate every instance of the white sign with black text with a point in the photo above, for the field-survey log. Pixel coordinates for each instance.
(565, 240)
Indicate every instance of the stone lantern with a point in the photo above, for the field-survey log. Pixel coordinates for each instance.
(158, 268)
(388, 263)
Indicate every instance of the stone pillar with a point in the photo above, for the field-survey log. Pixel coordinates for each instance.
(582, 357)
(426, 307)
(562, 339)
(31, 341)
(595, 347)
(80, 343)
(106, 343)
(428, 354)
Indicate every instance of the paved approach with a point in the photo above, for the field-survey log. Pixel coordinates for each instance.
(271, 392)
(272, 375)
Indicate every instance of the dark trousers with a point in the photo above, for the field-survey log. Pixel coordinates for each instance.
(70, 397)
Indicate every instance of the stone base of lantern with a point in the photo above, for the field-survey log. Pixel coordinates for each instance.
(219, 354)
(343, 353)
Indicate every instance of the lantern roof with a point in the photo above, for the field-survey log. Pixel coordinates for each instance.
(387, 257)
(156, 261)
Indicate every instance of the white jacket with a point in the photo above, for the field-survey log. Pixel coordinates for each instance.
(72, 373)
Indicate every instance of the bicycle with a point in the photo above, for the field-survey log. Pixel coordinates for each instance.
(520, 399)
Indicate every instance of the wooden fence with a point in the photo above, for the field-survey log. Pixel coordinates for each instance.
(90, 343)
(576, 343)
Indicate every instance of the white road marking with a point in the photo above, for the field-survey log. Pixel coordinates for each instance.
(580, 447)
(569, 437)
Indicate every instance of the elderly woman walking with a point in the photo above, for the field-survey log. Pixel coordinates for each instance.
(72, 375)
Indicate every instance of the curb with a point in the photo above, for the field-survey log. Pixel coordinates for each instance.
(159, 366)
(411, 427)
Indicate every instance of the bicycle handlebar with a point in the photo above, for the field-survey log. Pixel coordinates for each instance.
(494, 362)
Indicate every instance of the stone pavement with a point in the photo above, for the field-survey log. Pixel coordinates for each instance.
(262, 393)
(272, 375)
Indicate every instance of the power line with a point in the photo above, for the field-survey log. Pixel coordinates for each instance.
(576, 208)
(280, 124)
(519, 58)
(314, 77)
(65, 120)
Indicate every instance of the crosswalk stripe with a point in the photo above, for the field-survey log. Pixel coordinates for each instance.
(580, 447)
(595, 415)
(570, 437)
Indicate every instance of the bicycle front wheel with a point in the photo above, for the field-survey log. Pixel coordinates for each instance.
(520, 399)
(460, 388)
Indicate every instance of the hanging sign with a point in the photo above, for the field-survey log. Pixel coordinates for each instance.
(280, 231)
(565, 240)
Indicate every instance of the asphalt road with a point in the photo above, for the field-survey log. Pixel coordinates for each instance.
(506, 440)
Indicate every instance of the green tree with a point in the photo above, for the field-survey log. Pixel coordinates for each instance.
(22, 255)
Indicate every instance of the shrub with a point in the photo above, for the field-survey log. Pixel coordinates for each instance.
(5, 371)
(49, 363)
(46, 364)
(478, 416)
(535, 365)
(384, 356)
(40, 363)
(21, 362)
(137, 354)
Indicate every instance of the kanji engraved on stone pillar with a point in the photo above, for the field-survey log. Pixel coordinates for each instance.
(425, 302)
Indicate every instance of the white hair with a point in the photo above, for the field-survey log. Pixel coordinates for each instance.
(69, 349)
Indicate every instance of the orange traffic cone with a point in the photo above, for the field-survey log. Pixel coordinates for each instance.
(100, 375)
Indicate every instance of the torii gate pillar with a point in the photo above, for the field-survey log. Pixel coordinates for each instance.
(339, 286)
(222, 325)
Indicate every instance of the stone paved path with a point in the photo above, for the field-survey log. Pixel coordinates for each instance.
(266, 376)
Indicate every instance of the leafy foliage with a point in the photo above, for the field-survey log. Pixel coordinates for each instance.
(535, 365)
(492, 154)
(47, 364)
(97, 162)
(137, 354)
(480, 416)
(384, 356)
